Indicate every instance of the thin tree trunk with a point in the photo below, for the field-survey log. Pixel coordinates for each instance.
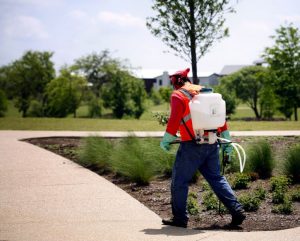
(296, 113)
(193, 41)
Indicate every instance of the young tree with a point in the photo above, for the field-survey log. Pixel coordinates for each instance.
(93, 68)
(124, 93)
(28, 77)
(248, 85)
(189, 27)
(284, 61)
(64, 94)
(228, 95)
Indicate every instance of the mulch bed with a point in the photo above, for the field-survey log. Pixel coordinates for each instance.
(156, 196)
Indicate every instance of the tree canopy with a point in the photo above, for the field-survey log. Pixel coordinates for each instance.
(28, 76)
(64, 94)
(248, 85)
(284, 60)
(189, 27)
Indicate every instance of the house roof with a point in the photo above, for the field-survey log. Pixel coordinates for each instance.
(229, 69)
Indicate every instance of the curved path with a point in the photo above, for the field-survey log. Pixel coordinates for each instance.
(44, 197)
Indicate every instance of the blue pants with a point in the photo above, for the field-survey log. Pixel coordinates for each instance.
(205, 158)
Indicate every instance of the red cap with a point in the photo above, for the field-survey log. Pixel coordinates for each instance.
(181, 73)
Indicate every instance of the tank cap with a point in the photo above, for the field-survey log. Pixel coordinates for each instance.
(206, 90)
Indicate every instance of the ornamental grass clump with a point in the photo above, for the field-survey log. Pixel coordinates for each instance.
(260, 159)
(95, 153)
(292, 163)
(140, 159)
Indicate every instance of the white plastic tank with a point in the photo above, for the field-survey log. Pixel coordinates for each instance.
(208, 111)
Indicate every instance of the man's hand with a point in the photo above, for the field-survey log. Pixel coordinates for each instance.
(226, 148)
(167, 139)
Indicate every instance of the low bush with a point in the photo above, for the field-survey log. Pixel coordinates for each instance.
(260, 193)
(280, 182)
(260, 159)
(278, 196)
(240, 181)
(286, 207)
(211, 202)
(250, 202)
(162, 117)
(95, 153)
(205, 186)
(295, 195)
(292, 163)
(192, 204)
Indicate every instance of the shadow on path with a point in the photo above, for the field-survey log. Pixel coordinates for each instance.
(171, 231)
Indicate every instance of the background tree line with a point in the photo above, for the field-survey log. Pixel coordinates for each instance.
(96, 79)
(100, 81)
(271, 88)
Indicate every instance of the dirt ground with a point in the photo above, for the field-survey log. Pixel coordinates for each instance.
(156, 196)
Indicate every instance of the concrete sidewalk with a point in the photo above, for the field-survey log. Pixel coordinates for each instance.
(44, 197)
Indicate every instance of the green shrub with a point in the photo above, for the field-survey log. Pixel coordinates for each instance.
(240, 181)
(95, 153)
(295, 195)
(285, 208)
(192, 204)
(210, 201)
(292, 163)
(278, 196)
(250, 202)
(279, 182)
(156, 97)
(162, 117)
(205, 186)
(260, 159)
(260, 193)
(139, 160)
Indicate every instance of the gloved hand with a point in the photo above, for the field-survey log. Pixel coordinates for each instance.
(167, 139)
(226, 148)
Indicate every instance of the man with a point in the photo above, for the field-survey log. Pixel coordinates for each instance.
(192, 156)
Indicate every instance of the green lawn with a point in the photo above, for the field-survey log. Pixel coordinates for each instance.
(13, 121)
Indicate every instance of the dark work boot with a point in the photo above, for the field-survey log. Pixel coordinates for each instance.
(238, 218)
(173, 222)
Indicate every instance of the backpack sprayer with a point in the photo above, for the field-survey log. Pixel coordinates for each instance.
(208, 112)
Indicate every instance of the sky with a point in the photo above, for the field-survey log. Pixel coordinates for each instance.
(75, 28)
